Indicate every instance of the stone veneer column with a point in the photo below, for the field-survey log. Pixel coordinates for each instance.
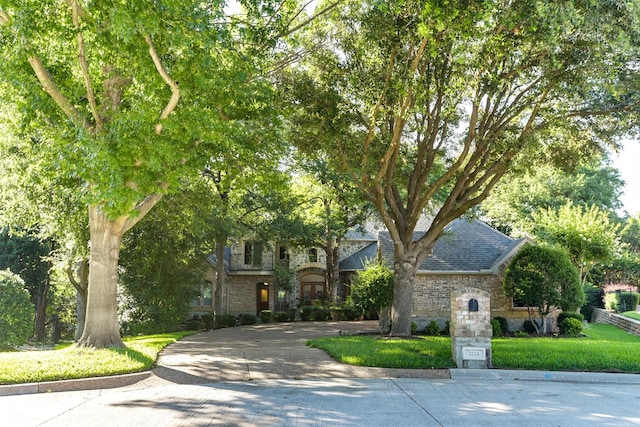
(470, 329)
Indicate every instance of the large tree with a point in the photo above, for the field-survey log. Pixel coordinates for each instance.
(163, 260)
(584, 233)
(511, 205)
(126, 97)
(33, 199)
(333, 206)
(408, 87)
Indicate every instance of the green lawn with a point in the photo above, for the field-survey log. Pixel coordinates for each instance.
(632, 314)
(72, 362)
(604, 349)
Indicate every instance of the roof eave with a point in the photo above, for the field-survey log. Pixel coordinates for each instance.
(457, 272)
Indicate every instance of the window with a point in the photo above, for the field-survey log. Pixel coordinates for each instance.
(253, 253)
(313, 255)
(283, 255)
(205, 295)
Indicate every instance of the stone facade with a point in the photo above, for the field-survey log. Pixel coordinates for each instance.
(350, 247)
(471, 327)
(242, 293)
(469, 255)
(432, 297)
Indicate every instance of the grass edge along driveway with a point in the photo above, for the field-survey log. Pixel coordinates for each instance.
(604, 348)
(71, 362)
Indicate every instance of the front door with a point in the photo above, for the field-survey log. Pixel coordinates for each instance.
(262, 297)
(310, 292)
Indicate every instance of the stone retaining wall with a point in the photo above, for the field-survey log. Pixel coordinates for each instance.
(603, 316)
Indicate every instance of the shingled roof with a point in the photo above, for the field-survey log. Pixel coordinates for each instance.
(357, 260)
(213, 259)
(464, 247)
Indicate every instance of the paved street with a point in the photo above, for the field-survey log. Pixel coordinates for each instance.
(263, 376)
(334, 402)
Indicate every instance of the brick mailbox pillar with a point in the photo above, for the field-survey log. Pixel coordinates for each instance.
(470, 328)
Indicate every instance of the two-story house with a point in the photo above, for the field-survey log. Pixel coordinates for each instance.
(469, 254)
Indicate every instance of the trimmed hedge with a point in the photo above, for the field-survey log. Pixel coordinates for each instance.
(225, 321)
(570, 327)
(266, 316)
(247, 319)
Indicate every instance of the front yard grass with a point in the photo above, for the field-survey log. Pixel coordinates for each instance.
(632, 314)
(605, 348)
(71, 362)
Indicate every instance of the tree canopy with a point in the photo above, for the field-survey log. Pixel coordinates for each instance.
(544, 279)
(121, 100)
(428, 104)
(513, 202)
(585, 233)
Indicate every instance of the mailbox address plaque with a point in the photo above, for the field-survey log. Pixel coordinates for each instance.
(473, 353)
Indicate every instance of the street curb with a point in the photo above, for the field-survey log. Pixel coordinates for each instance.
(551, 376)
(115, 381)
(74, 385)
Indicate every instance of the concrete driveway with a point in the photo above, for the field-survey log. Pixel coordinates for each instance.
(267, 351)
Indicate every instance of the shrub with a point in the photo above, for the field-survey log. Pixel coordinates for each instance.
(626, 301)
(570, 315)
(373, 290)
(247, 319)
(594, 297)
(265, 316)
(350, 313)
(16, 311)
(543, 278)
(496, 328)
(529, 327)
(432, 328)
(305, 313)
(194, 324)
(504, 324)
(414, 328)
(320, 313)
(225, 321)
(281, 316)
(571, 327)
(337, 313)
(207, 321)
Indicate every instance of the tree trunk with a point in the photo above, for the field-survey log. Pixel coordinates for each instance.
(82, 286)
(41, 311)
(335, 276)
(81, 299)
(43, 299)
(101, 324)
(81, 314)
(333, 268)
(221, 277)
(405, 269)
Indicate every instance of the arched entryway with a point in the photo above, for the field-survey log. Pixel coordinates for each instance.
(313, 286)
